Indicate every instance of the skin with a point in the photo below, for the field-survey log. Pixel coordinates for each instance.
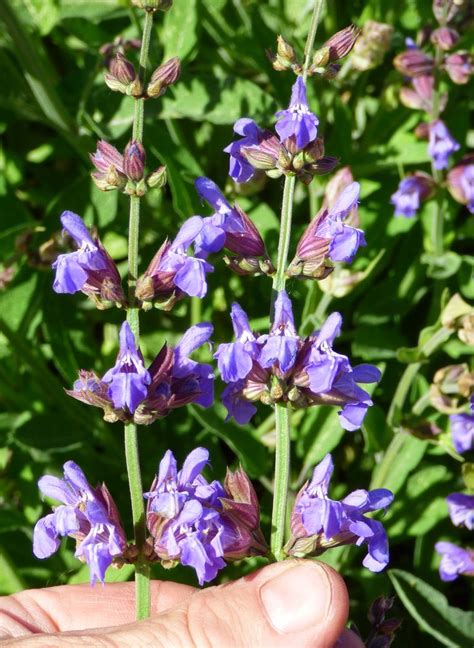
(254, 611)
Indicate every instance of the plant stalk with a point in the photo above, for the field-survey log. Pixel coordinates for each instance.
(142, 568)
(282, 414)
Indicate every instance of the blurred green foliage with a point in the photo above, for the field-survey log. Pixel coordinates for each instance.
(54, 106)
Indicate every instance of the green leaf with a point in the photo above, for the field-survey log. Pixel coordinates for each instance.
(179, 31)
(401, 457)
(10, 580)
(112, 575)
(449, 625)
(253, 455)
(219, 101)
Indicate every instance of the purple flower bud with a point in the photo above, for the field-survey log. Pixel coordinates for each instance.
(165, 75)
(297, 126)
(459, 67)
(134, 160)
(461, 510)
(87, 514)
(460, 182)
(108, 161)
(413, 62)
(445, 38)
(241, 507)
(454, 561)
(411, 191)
(441, 144)
(462, 431)
(341, 43)
(89, 269)
(318, 522)
(420, 95)
(121, 77)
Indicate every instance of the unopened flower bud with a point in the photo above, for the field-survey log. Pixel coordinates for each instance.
(445, 10)
(134, 160)
(321, 57)
(459, 67)
(259, 159)
(445, 37)
(165, 75)
(372, 45)
(331, 71)
(341, 43)
(285, 58)
(413, 63)
(121, 77)
(158, 178)
(153, 5)
(422, 131)
(460, 182)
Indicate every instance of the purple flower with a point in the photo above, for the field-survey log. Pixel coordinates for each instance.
(319, 522)
(87, 514)
(89, 269)
(235, 359)
(441, 144)
(297, 123)
(129, 392)
(329, 238)
(281, 345)
(172, 272)
(189, 523)
(411, 191)
(460, 182)
(239, 168)
(462, 431)
(128, 379)
(461, 509)
(283, 367)
(454, 561)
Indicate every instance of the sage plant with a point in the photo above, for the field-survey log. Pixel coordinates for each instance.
(188, 519)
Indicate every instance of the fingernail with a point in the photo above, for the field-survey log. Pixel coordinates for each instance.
(298, 598)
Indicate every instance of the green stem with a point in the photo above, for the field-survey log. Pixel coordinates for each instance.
(282, 414)
(318, 5)
(142, 568)
(282, 472)
(437, 230)
(279, 279)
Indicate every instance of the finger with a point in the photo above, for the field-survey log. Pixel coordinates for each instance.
(294, 603)
(80, 607)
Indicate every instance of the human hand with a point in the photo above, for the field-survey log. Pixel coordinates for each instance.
(295, 603)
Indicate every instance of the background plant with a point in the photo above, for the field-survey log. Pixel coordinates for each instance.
(55, 105)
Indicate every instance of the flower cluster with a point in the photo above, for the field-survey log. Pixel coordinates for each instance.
(283, 367)
(328, 238)
(202, 524)
(130, 392)
(87, 514)
(319, 522)
(457, 560)
(296, 151)
(421, 68)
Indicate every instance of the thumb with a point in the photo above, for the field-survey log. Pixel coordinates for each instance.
(294, 603)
